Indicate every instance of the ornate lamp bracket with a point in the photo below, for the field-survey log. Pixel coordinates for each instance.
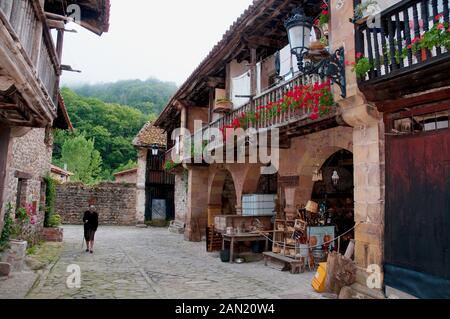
(332, 66)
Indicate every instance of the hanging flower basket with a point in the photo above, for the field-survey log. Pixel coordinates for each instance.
(223, 106)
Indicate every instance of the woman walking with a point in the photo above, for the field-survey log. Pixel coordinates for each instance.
(90, 220)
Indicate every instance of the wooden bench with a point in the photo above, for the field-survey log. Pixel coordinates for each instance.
(294, 265)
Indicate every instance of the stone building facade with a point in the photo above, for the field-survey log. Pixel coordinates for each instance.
(28, 165)
(129, 176)
(115, 203)
(152, 181)
(360, 130)
(181, 198)
(30, 100)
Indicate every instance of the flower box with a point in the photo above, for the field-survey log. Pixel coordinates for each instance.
(55, 234)
(223, 106)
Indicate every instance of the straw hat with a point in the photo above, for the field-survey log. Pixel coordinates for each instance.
(312, 207)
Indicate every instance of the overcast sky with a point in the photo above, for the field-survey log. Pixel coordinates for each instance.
(162, 39)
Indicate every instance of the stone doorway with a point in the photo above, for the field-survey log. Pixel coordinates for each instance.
(223, 193)
(334, 192)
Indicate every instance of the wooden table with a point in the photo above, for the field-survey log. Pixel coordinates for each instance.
(240, 238)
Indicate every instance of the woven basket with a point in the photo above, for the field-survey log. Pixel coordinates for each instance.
(290, 241)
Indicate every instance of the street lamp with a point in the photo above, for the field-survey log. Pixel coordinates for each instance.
(154, 150)
(298, 27)
(335, 178)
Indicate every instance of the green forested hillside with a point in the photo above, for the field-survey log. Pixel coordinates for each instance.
(148, 96)
(110, 127)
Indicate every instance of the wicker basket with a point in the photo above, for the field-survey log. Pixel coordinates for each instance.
(290, 241)
(276, 249)
(290, 229)
(292, 252)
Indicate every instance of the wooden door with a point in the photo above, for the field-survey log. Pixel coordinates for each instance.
(417, 215)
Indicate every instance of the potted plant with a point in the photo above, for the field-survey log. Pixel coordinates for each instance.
(361, 67)
(51, 232)
(364, 10)
(15, 238)
(223, 105)
(324, 18)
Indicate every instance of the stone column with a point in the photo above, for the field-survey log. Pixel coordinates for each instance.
(368, 155)
(197, 206)
(289, 195)
(140, 186)
(368, 161)
(4, 153)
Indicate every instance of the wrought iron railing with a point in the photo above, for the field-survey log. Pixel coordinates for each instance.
(26, 23)
(390, 41)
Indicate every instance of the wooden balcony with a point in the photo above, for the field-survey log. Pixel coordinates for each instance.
(398, 65)
(30, 65)
(292, 121)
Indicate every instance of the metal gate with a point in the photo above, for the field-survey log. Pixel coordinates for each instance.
(417, 217)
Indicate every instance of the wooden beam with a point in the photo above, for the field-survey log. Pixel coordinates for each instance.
(215, 81)
(55, 24)
(23, 175)
(416, 99)
(261, 41)
(7, 106)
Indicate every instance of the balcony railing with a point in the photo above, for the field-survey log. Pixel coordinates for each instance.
(25, 21)
(291, 114)
(390, 42)
(270, 96)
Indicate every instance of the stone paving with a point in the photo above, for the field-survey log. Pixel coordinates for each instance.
(130, 262)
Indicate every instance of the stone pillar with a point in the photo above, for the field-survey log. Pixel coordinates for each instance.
(197, 210)
(181, 181)
(4, 153)
(368, 154)
(140, 186)
(289, 195)
(368, 161)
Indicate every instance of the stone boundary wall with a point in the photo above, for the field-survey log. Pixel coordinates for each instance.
(115, 203)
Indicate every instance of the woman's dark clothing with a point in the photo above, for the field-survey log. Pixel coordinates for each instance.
(90, 220)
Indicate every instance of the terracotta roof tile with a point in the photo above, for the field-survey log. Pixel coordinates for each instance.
(150, 135)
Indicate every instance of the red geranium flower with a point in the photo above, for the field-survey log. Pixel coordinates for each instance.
(439, 16)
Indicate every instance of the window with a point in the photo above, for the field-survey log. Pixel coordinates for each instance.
(21, 198)
(423, 123)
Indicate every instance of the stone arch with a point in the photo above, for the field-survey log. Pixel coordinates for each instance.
(312, 150)
(306, 168)
(219, 182)
(251, 179)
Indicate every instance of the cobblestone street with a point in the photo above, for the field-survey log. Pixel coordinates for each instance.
(153, 263)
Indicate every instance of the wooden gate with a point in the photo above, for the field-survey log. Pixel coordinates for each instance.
(417, 217)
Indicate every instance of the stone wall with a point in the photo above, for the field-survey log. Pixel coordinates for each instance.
(114, 203)
(181, 182)
(29, 158)
(128, 177)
